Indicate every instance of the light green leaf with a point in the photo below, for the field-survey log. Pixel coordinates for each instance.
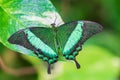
(20, 14)
(96, 62)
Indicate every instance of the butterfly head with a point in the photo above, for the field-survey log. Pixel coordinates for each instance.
(53, 24)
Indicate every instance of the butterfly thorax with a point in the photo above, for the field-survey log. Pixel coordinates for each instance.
(56, 38)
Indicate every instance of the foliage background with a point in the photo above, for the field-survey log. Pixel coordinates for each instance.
(99, 58)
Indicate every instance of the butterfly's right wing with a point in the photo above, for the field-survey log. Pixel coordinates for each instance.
(72, 35)
(76, 33)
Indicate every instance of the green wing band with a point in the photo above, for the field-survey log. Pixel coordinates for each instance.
(74, 38)
(39, 44)
(46, 35)
(72, 35)
(64, 32)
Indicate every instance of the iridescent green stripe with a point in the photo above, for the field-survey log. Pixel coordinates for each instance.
(38, 44)
(74, 38)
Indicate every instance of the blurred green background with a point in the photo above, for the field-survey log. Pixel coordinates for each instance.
(99, 58)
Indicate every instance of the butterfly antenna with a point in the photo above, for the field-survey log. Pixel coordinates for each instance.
(77, 64)
(49, 69)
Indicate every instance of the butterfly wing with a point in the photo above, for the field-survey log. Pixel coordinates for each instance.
(46, 35)
(38, 39)
(20, 38)
(72, 35)
(89, 29)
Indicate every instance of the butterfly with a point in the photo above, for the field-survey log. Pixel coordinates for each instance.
(48, 43)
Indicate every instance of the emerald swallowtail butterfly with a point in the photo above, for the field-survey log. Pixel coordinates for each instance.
(47, 43)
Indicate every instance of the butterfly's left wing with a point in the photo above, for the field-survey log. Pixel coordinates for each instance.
(72, 35)
(40, 40)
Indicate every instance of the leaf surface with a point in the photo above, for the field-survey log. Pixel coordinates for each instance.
(20, 14)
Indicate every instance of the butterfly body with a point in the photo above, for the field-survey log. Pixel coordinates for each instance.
(49, 43)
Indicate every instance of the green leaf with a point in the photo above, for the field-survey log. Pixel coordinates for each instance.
(111, 41)
(112, 13)
(96, 62)
(20, 14)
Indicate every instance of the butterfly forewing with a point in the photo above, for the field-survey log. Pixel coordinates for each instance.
(20, 38)
(64, 32)
(69, 34)
(46, 35)
(90, 29)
